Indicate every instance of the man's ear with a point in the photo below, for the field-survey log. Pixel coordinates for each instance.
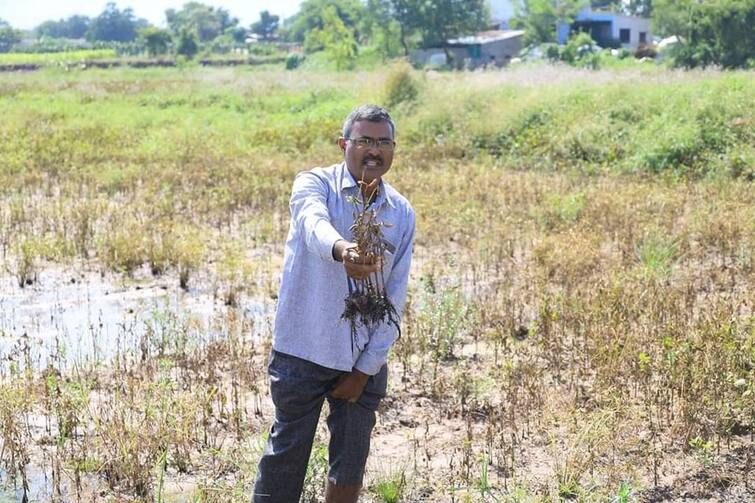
(342, 144)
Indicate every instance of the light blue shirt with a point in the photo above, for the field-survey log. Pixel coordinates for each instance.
(308, 320)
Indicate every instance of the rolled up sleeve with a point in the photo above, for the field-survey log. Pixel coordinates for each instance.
(309, 212)
(375, 353)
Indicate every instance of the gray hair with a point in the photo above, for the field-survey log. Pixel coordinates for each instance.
(371, 113)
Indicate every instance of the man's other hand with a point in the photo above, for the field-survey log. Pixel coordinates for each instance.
(349, 386)
(357, 266)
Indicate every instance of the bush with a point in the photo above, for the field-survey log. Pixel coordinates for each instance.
(646, 51)
(293, 60)
(623, 53)
(578, 49)
(263, 49)
(581, 50)
(401, 86)
(552, 52)
(187, 45)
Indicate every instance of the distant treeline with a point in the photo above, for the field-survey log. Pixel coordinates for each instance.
(141, 63)
(709, 32)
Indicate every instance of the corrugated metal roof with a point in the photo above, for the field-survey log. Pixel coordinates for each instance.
(486, 37)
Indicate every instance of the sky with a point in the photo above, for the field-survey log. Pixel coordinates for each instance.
(27, 14)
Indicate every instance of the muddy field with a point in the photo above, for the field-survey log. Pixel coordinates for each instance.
(580, 322)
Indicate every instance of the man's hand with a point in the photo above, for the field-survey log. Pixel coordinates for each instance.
(350, 386)
(356, 265)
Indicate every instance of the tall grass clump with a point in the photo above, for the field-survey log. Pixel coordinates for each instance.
(401, 85)
(657, 254)
(390, 489)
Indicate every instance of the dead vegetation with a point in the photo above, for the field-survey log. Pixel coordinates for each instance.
(571, 333)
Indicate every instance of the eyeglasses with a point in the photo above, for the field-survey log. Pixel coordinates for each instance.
(367, 142)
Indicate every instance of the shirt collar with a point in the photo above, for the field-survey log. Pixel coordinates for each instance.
(348, 182)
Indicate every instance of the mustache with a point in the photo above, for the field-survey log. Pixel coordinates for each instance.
(372, 158)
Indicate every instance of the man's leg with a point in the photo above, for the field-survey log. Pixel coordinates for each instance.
(298, 389)
(350, 426)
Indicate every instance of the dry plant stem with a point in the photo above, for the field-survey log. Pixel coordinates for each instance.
(367, 303)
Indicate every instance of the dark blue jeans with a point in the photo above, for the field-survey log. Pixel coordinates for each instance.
(298, 389)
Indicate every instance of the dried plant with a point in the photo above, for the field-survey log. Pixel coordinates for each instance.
(367, 303)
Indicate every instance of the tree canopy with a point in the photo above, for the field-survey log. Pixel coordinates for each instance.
(441, 20)
(538, 18)
(711, 32)
(205, 21)
(335, 38)
(8, 36)
(266, 26)
(437, 21)
(156, 40)
(115, 25)
(72, 27)
(312, 13)
(187, 44)
(642, 8)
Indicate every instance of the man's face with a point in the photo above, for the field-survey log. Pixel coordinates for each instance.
(367, 163)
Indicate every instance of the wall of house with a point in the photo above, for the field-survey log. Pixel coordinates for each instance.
(617, 22)
(502, 50)
(437, 57)
(474, 55)
(635, 26)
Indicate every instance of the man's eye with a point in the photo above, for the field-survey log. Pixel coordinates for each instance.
(385, 143)
(364, 142)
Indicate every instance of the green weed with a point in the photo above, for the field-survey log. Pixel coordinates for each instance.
(390, 489)
(657, 254)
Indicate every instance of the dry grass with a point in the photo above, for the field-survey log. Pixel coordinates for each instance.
(579, 326)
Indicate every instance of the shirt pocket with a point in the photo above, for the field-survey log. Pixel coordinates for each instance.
(391, 242)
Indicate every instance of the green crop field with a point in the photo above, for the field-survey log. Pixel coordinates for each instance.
(52, 58)
(580, 322)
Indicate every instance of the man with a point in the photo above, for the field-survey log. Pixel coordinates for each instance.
(314, 355)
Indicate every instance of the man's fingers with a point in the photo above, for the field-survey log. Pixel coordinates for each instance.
(352, 256)
(360, 271)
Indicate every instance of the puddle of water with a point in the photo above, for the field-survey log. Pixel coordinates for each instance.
(88, 318)
(72, 319)
(41, 487)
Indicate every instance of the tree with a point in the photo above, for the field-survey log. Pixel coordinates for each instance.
(380, 28)
(237, 33)
(312, 13)
(73, 27)
(155, 40)
(336, 38)
(642, 8)
(610, 5)
(205, 21)
(8, 36)
(672, 17)
(711, 32)
(437, 21)
(115, 25)
(187, 44)
(539, 18)
(266, 26)
(408, 17)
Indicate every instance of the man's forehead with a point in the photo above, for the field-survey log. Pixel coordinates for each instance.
(380, 129)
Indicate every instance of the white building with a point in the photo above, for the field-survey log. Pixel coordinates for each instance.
(501, 12)
(608, 28)
(494, 48)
